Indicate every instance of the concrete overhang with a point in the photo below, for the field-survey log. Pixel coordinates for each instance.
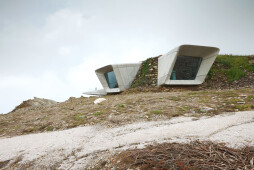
(124, 74)
(167, 62)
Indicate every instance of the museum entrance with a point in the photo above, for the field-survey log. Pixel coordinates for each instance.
(186, 68)
(111, 79)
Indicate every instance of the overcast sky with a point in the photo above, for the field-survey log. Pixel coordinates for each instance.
(50, 48)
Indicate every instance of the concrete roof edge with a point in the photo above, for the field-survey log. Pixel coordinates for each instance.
(183, 45)
(116, 65)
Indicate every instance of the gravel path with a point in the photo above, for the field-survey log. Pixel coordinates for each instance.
(78, 147)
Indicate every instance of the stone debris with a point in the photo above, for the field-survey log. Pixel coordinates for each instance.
(206, 109)
(241, 102)
(99, 100)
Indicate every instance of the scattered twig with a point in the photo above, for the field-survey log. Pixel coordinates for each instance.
(195, 155)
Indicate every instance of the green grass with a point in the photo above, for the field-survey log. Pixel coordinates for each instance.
(145, 67)
(141, 77)
(200, 111)
(203, 92)
(223, 94)
(49, 128)
(120, 105)
(42, 127)
(192, 93)
(79, 117)
(175, 98)
(157, 112)
(235, 62)
(182, 110)
(233, 67)
(249, 98)
(97, 113)
(234, 74)
(244, 107)
(142, 81)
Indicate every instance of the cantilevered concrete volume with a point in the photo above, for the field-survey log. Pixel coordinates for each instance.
(184, 65)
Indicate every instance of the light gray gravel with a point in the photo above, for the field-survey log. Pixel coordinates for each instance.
(78, 147)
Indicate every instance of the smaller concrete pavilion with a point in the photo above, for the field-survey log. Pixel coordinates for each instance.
(115, 78)
(184, 65)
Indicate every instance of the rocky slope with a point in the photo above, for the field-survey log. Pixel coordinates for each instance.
(124, 109)
(36, 102)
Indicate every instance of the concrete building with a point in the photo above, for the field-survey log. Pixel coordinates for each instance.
(184, 65)
(115, 78)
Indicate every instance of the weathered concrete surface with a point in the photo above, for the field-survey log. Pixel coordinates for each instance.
(125, 74)
(166, 63)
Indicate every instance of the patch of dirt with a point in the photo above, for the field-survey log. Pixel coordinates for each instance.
(125, 108)
(4, 163)
(195, 155)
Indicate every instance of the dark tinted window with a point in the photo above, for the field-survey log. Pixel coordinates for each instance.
(186, 68)
(111, 79)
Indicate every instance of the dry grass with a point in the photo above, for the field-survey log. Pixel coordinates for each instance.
(195, 155)
(4, 163)
(124, 109)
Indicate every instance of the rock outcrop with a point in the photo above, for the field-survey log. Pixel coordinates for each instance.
(36, 102)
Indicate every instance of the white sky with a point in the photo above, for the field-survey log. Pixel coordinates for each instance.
(50, 49)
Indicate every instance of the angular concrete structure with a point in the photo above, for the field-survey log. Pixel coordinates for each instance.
(186, 65)
(117, 77)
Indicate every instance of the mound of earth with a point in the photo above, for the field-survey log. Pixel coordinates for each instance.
(36, 102)
(227, 72)
(147, 74)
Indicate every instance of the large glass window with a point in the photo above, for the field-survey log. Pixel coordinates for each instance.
(111, 79)
(186, 68)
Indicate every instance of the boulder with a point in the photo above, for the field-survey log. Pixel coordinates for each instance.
(99, 100)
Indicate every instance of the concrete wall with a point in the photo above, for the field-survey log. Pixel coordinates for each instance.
(166, 63)
(125, 74)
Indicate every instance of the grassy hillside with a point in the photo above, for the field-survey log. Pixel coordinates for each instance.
(233, 67)
(147, 74)
(228, 71)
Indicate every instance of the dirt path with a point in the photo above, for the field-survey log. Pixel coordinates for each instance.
(80, 147)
